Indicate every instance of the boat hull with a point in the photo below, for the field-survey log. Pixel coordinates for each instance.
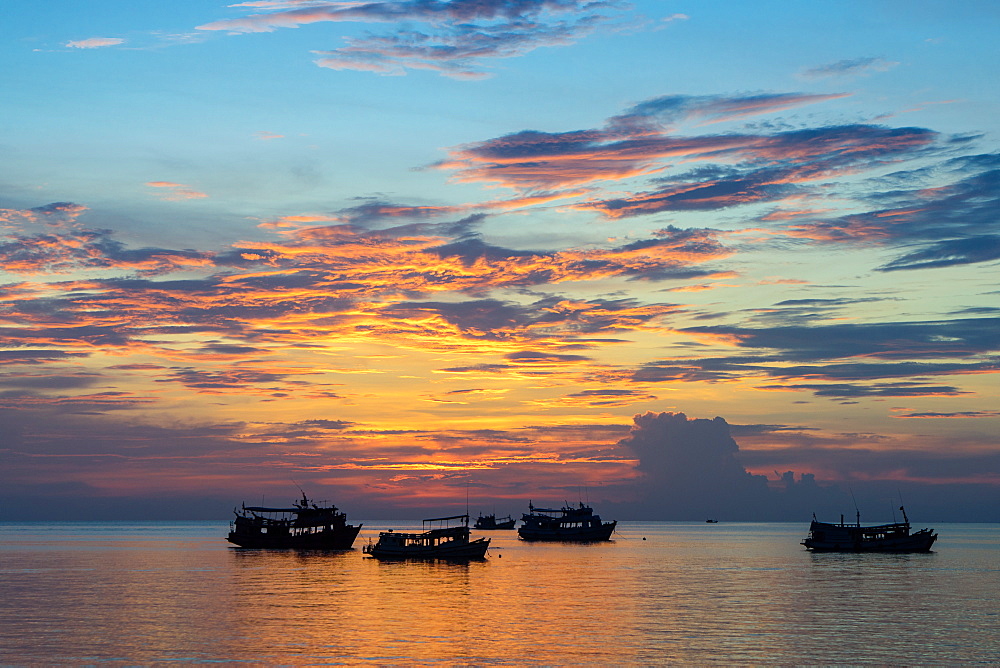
(474, 549)
(342, 538)
(895, 537)
(920, 541)
(568, 534)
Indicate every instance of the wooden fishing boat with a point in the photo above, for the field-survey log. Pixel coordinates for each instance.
(490, 522)
(306, 525)
(566, 524)
(894, 537)
(441, 538)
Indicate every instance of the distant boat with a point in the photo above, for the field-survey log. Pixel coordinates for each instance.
(564, 524)
(895, 537)
(443, 541)
(711, 521)
(306, 525)
(490, 522)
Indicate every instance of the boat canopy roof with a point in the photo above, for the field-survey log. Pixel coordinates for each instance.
(867, 527)
(443, 519)
(260, 509)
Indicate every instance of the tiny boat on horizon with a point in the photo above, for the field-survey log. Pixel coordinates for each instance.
(893, 537)
(490, 522)
(304, 526)
(566, 524)
(444, 541)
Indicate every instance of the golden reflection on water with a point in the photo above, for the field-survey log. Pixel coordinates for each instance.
(688, 594)
(502, 608)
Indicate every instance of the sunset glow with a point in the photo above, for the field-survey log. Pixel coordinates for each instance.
(406, 254)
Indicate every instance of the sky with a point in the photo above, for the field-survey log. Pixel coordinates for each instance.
(679, 260)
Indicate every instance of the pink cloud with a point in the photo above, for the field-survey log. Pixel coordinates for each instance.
(176, 191)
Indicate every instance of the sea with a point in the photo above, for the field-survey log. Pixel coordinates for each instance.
(659, 593)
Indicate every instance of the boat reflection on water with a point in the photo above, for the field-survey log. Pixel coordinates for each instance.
(440, 539)
(894, 537)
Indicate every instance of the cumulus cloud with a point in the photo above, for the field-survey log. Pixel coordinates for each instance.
(691, 469)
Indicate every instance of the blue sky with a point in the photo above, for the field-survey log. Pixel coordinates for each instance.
(394, 249)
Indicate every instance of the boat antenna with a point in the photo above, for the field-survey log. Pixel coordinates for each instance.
(901, 507)
(857, 512)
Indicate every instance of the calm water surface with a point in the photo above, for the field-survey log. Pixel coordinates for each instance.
(659, 593)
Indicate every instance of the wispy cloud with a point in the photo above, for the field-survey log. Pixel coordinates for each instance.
(883, 340)
(95, 42)
(458, 36)
(56, 214)
(950, 224)
(850, 67)
(948, 416)
(642, 142)
(175, 191)
(64, 245)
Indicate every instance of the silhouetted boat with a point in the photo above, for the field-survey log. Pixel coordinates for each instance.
(895, 537)
(441, 542)
(711, 521)
(306, 526)
(564, 524)
(490, 522)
